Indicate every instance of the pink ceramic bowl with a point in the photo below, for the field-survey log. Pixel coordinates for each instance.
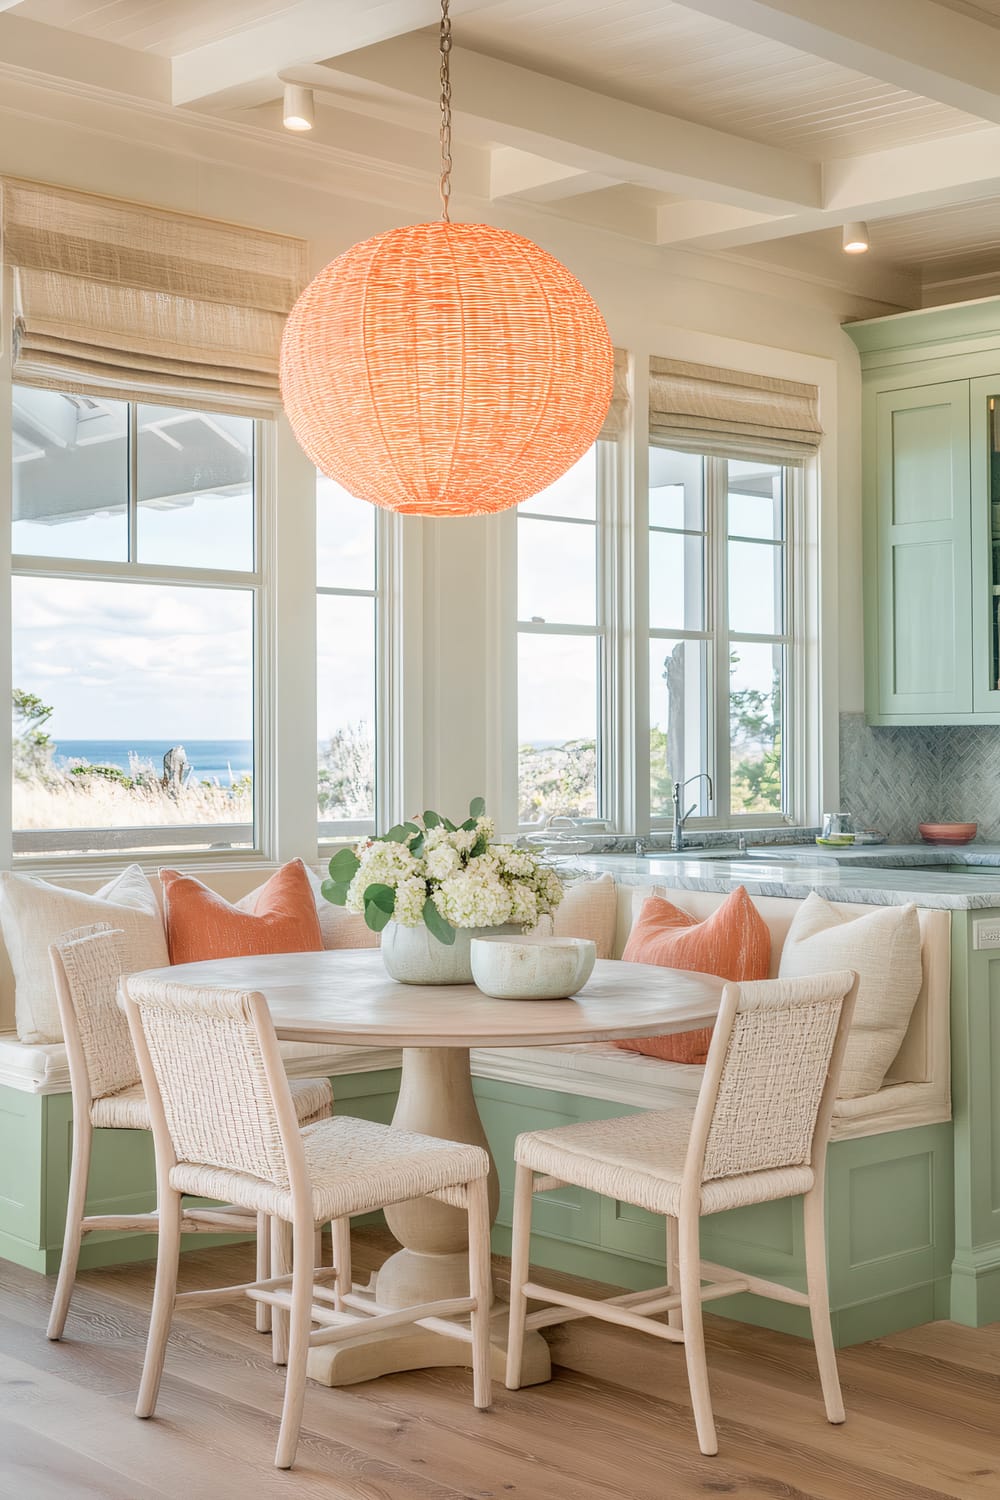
(947, 833)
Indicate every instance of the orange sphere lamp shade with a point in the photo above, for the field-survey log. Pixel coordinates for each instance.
(446, 369)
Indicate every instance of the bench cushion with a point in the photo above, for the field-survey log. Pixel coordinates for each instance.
(589, 909)
(41, 1068)
(883, 948)
(35, 914)
(733, 942)
(202, 925)
(599, 1070)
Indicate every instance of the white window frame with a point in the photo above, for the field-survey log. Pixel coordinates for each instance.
(255, 581)
(607, 631)
(388, 568)
(719, 638)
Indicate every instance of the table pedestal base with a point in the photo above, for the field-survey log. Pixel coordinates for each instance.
(435, 1098)
(370, 1355)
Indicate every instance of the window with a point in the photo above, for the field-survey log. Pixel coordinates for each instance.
(560, 646)
(135, 625)
(350, 551)
(719, 633)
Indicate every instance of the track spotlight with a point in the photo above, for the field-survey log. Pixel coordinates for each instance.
(299, 111)
(856, 240)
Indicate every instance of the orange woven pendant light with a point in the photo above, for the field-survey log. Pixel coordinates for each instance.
(446, 369)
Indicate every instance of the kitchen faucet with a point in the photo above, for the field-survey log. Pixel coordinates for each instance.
(677, 841)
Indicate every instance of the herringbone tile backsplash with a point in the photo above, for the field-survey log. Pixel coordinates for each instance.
(893, 779)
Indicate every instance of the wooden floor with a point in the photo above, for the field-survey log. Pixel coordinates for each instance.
(614, 1424)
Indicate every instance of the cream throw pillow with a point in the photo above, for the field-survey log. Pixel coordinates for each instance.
(589, 909)
(34, 914)
(883, 949)
(338, 928)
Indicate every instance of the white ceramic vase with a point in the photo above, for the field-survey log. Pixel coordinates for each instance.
(412, 955)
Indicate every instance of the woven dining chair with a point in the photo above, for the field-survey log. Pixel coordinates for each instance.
(223, 1125)
(758, 1132)
(107, 1094)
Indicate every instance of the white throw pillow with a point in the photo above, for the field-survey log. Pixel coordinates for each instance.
(589, 909)
(34, 914)
(883, 949)
(338, 928)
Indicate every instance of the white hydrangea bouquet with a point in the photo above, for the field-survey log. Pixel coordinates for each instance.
(430, 871)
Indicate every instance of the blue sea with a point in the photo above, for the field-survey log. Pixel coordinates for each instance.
(212, 760)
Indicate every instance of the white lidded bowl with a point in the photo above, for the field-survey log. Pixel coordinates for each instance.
(530, 968)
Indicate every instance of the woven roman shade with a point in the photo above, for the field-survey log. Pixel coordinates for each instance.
(728, 413)
(616, 421)
(115, 295)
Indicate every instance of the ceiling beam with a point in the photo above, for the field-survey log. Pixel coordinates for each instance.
(913, 44)
(879, 185)
(514, 106)
(241, 70)
(69, 57)
(535, 179)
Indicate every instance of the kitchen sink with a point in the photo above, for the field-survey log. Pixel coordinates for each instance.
(692, 851)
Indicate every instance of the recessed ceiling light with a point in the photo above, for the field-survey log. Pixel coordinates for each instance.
(856, 240)
(299, 112)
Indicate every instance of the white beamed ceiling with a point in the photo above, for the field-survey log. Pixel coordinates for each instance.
(666, 57)
(987, 11)
(167, 27)
(749, 128)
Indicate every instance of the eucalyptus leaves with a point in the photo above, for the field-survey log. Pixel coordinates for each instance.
(443, 875)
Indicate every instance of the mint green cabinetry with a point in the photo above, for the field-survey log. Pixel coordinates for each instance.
(922, 522)
(930, 608)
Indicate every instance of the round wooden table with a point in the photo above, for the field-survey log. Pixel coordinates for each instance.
(345, 996)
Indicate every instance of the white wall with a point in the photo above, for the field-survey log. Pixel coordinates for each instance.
(656, 302)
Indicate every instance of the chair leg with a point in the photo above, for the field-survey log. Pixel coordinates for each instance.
(76, 1206)
(168, 1251)
(342, 1260)
(819, 1304)
(262, 1313)
(480, 1287)
(689, 1249)
(303, 1240)
(281, 1264)
(519, 1257)
(674, 1317)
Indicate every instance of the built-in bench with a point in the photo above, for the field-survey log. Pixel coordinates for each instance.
(889, 1179)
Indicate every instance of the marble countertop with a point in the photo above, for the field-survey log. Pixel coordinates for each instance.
(849, 874)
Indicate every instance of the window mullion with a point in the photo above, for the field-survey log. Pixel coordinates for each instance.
(133, 482)
(719, 530)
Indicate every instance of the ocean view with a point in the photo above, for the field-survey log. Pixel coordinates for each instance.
(212, 760)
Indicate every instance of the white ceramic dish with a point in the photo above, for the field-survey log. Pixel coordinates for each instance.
(528, 968)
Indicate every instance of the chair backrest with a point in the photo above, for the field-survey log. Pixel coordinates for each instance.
(86, 968)
(771, 1075)
(214, 1078)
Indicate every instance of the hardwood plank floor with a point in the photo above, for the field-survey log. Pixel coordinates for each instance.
(614, 1423)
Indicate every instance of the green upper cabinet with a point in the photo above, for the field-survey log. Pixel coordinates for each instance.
(931, 500)
(922, 661)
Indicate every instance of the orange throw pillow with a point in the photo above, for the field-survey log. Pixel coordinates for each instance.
(734, 942)
(202, 925)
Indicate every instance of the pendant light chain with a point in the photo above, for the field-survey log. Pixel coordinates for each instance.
(445, 45)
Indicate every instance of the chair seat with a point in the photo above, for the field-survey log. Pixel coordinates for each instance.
(639, 1159)
(354, 1165)
(128, 1110)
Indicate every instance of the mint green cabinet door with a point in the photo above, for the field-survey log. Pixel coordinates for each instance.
(984, 424)
(922, 605)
